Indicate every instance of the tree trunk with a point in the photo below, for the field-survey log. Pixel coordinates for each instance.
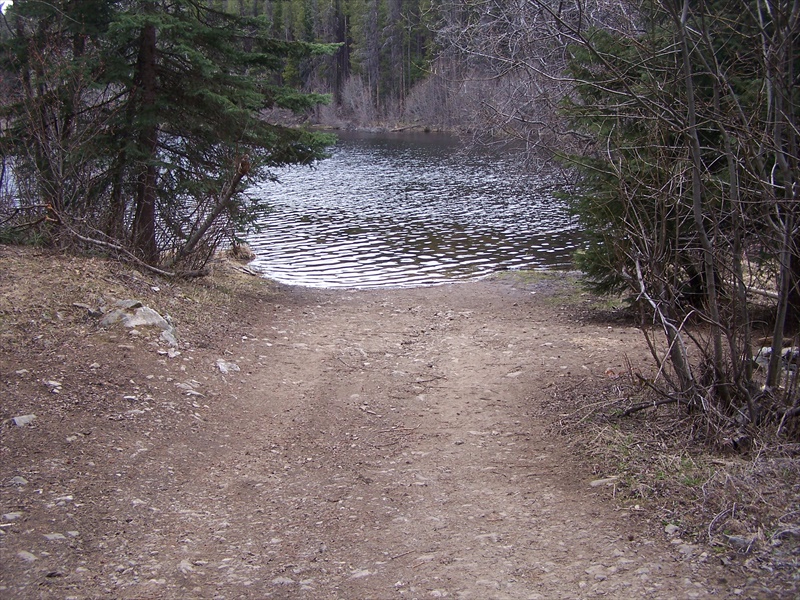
(709, 270)
(144, 223)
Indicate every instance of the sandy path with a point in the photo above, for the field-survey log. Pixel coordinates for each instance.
(381, 444)
(401, 453)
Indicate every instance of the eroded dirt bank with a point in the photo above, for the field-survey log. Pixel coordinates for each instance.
(372, 444)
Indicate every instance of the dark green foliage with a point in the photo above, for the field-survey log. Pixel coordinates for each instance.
(137, 122)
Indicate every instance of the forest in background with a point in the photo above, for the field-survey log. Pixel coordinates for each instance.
(391, 67)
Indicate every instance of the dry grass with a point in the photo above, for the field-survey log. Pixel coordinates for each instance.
(51, 291)
(745, 506)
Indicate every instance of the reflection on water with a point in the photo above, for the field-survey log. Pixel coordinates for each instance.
(407, 210)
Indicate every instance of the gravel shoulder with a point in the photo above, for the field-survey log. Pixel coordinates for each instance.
(317, 444)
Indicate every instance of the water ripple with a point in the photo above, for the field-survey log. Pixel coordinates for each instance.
(407, 211)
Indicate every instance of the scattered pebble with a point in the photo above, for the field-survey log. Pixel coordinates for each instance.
(54, 386)
(226, 367)
(185, 567)
(23, 420)
(26, 556)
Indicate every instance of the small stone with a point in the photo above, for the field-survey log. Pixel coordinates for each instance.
(185, 567)
(283, 581)
(94, 365)
(168, 336)
(12, 516)
(23, 420)
(26, 556)
(19, 480)
(359, 573)
(604, 481)
(54, 537)
(226, 367)
(671, 529)
(743, 543)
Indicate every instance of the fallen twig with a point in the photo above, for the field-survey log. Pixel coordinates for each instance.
(714, 521)
(644, 405)
(434, 378)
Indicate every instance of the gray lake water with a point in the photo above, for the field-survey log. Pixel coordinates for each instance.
(400, 210)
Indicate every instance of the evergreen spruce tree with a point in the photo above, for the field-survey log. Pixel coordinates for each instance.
(174, 104)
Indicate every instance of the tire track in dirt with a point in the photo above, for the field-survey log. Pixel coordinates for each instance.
(407, 456)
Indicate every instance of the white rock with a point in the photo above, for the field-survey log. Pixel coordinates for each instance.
(604, 481)
(23, 420)
(26, 556)
(145, 316)
(226, 367)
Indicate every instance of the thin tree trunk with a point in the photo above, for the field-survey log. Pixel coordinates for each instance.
(144, 223)
(721, 385)
(225, 201)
